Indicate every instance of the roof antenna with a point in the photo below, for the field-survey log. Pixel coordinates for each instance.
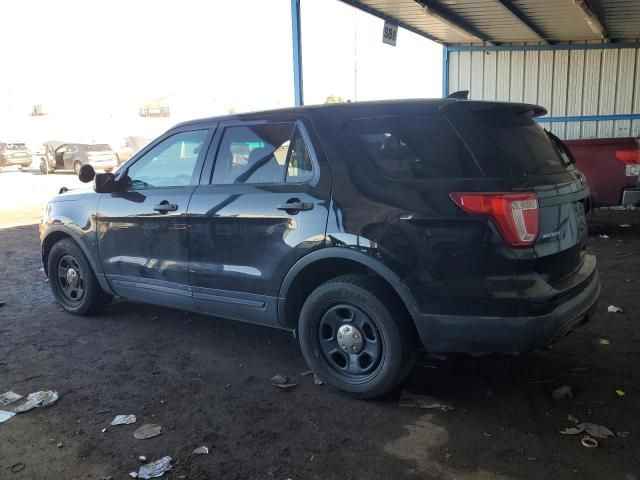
(462, 94)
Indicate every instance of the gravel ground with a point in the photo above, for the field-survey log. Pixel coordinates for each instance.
(206, 382)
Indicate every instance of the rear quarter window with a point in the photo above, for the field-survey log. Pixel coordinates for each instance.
(413, 147)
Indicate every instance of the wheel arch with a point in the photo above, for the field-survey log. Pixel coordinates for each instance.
(321, 265)
(54, 235)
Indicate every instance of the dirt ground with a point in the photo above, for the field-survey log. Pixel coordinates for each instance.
(24, 194)
(206, 382)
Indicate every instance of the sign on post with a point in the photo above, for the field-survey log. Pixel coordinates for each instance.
(390, 33)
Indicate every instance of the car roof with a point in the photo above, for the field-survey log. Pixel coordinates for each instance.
(374, 108)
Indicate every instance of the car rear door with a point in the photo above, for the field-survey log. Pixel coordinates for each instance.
(142, 229)
(262, 204)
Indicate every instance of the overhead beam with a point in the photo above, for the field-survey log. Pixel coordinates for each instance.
(593, 20)
(524, 20)
(440, 13)
(379, 14)
(297, 53)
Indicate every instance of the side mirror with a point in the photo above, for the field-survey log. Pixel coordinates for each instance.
(105, 183)
(86, 173)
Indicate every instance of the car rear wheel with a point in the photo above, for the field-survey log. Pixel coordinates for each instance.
(73, 283)
(355, 336)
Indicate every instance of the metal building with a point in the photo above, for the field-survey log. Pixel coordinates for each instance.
(580, 59)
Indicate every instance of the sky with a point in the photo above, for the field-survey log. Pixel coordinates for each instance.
(93, 64)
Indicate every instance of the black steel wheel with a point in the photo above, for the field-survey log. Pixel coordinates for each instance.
(72, 281)
(350, 341)
(355, 336)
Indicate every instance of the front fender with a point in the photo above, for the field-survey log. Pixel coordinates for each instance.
(74, 219)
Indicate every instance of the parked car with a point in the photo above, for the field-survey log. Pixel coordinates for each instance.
(365, 228)
(14, 154)
(612, 168)
(61, 155)
(130, 146)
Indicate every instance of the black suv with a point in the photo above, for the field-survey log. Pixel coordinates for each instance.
(367, 229)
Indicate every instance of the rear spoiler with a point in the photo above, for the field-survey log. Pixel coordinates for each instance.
(457, 106)
(461, 94)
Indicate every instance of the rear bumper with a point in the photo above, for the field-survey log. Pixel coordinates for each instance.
(458, 333)
(631, 197)
(104, 164)
(22, 161)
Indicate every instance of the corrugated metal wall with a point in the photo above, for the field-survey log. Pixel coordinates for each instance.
(565, 82)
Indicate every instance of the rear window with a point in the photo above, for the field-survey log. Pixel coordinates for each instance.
(414, 147)
(508, 143)
(16, 146)
(101, 147)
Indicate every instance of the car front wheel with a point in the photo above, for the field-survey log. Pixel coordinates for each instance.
(355, 336)
(73, 283)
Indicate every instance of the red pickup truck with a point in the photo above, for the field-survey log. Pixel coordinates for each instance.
(612, 168)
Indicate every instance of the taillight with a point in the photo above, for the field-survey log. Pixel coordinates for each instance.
(628, 156)
(515, 214)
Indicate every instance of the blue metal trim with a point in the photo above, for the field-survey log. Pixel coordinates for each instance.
(528, 48)
(445, 72)
(590, 118)
(376, 13)
(297, 53)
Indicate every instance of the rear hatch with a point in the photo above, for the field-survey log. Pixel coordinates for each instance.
(17, 151)
(100, 153)
(517, 155)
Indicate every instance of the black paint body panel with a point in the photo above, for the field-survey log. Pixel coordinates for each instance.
(228, 250)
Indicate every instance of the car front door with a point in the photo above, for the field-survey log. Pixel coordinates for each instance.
(263, 207)
(68, 156)
(142, 228)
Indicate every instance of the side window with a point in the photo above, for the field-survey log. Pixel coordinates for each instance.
(171, 163)
(299, 166)
(414, 147)
(253, 154)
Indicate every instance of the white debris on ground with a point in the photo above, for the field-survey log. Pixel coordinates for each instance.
(148, 430)
(155, 469)
(593, 429)
(4, 416)
(123, 420)
(282, 382)
(614, 309)
(562, 392)
(43, 398)
(9, 397)
(410, 400)
(201, 451)
(279, 379)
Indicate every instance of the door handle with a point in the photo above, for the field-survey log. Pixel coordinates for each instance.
(164, 207)
(295, 206)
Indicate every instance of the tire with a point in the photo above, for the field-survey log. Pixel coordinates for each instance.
(76, 167)
(78, 293)
(377, 327)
